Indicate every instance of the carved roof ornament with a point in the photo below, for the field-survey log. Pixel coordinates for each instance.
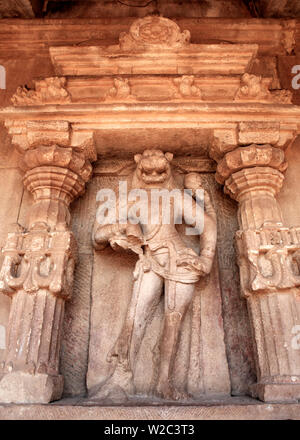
(185, 87)
(120, 90)
(46, 91)
(152, 33)
(256, 88)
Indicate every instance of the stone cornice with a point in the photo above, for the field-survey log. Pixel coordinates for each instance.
(158, 114)
(231, 124)
(269, 34)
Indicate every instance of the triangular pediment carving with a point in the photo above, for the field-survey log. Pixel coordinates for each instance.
(153, 46)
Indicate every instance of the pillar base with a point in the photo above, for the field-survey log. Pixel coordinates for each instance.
(276, 392)
(19, 387)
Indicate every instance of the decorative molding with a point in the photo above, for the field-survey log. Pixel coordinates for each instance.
(154, 45)
(86, 118)
(155, 88)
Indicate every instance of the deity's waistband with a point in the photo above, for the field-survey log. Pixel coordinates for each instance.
(173, 272)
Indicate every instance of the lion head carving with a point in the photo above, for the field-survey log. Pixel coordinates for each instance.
(153, 170)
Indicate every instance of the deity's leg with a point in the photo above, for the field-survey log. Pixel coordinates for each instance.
(147, 290)
(141, 310)
(170, 338)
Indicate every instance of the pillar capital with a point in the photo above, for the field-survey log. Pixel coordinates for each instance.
(249, 157)
(253, 181)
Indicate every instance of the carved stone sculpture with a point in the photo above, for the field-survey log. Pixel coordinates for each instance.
(164, 260)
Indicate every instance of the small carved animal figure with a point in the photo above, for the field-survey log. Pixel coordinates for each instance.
(186, 87)
(253, 86)
(121, 89)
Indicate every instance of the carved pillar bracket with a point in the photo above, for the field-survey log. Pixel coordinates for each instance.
(37, 270)
(268, 255)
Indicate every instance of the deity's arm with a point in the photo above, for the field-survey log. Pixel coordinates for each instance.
(103, 233)
(206, 227)
(208, 238)
(106, 225)
(119, 234)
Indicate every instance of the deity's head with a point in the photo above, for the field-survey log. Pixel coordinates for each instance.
(153, 170)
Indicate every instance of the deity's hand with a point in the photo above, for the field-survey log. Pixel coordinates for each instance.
(128, 237)
(102, 235)
(201, 264)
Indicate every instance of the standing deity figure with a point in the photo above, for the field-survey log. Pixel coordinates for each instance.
(165, 264)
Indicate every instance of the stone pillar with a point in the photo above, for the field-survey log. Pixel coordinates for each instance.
(37, 271)
(268, 257)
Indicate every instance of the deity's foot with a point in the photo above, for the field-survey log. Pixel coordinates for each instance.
(167, 392)
(109, 394)
(117, 389)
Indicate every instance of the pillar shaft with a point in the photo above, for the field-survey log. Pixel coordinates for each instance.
(37, 273)
(268, 257)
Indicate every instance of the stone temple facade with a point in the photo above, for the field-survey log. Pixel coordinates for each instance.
(139, 319)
